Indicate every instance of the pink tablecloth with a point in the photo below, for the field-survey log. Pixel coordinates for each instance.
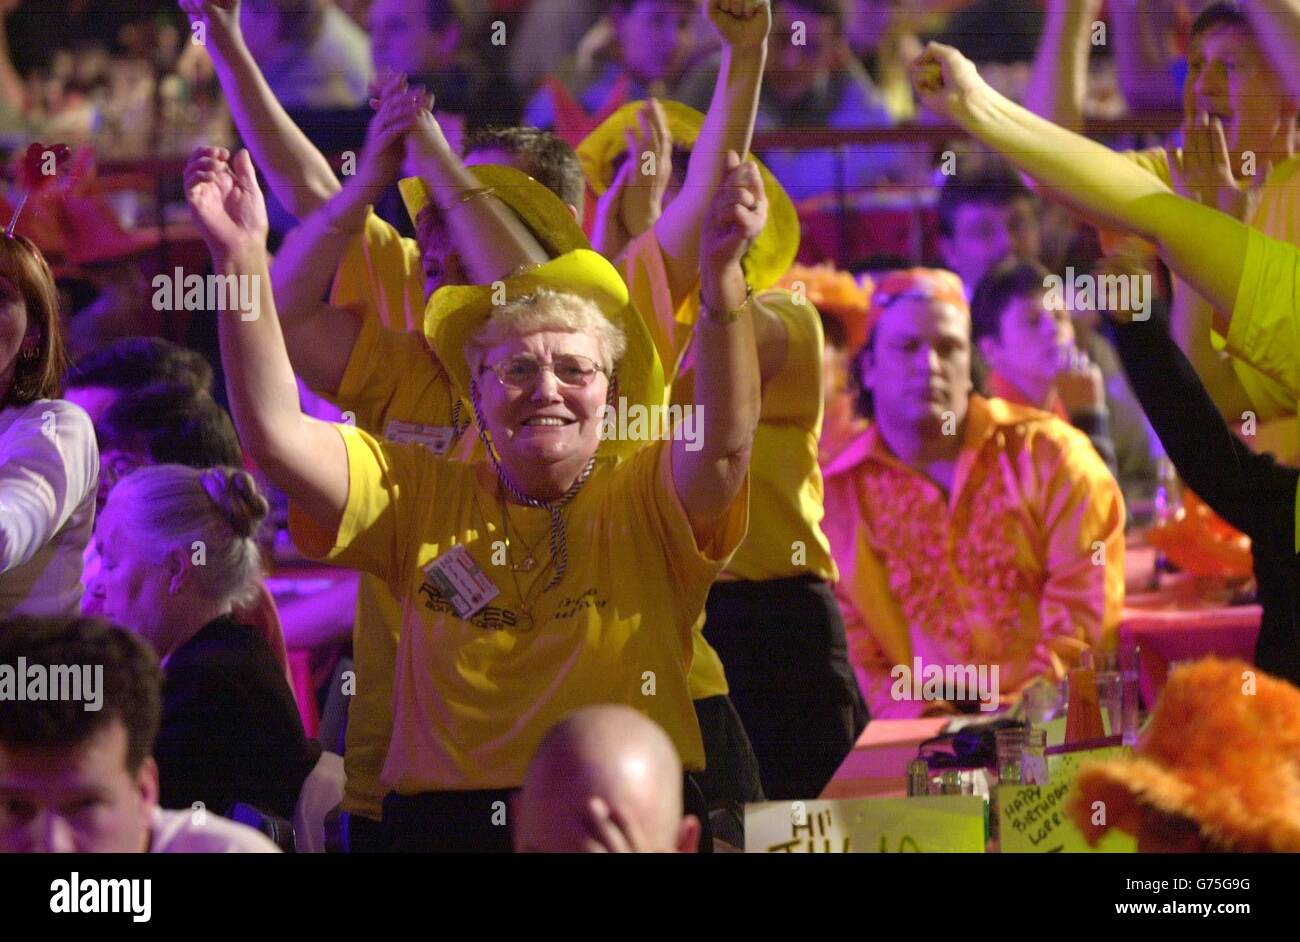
(877, 766)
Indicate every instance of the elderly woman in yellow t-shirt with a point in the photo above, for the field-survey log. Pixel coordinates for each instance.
(544, 578)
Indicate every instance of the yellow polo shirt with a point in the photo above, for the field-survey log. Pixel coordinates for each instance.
(474, 697)
(786, 537)
(1265, 330)
(1277, 214)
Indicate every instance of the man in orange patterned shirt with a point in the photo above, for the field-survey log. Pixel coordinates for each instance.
(968, 531)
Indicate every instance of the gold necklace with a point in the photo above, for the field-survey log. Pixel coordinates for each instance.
(530, 560)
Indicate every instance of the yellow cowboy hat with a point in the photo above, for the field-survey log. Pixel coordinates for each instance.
(456, 313)
(1222, 749)
(772, 253)
(544, 213)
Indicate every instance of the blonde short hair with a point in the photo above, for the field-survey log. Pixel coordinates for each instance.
(171, 507)
(547, 309)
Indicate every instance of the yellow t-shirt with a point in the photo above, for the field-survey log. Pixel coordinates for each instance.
(392, 375)
(1265, 330)
(1277, 215)
(786, 509)
(473, 698)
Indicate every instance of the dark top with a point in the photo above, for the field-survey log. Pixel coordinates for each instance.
(230, 726)
(1252, 492)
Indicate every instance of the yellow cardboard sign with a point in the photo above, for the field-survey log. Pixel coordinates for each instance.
(934, 824)
(1032, 819)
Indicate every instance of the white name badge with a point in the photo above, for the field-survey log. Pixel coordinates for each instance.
(436, 438)
(460, 581)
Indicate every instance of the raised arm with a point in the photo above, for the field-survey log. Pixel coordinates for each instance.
(319, 336)
(1276, 24)
(490, 239)
(303, 457)
(742, 25)
(726, 356)
(1059, 80)
(296, 170)
(1205, 247)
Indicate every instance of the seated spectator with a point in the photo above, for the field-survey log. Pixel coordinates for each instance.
(968, 531)
(816, 83)
(1031, 353)
(77, 780)
(987, 216)
(178, 555)
(166, 423)
(1214, 772)
(984, 215)
(48, 458)
(651, 39)
(97, 380)
(604, 780)
(312, 55)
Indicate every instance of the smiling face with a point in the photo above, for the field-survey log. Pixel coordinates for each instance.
(79, 799)
(1229, 76)
(1031, 341)
(549, 423)
(919, 365)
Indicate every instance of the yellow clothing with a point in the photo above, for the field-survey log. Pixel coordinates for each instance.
(786, 538)
(474, 697)
(391, 376)
(1019, 567)
(1265, 330)
(1277, 215)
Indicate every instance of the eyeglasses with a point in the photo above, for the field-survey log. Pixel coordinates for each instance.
(522, 372)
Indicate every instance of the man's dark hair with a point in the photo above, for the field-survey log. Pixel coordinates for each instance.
(172, 424)
(135, 362)
(550, 161)
(1010, 279)
(131, 690)
(1220, 13)
(991, 183)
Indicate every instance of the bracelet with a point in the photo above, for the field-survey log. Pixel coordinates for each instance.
(474, 192)
(726, 317)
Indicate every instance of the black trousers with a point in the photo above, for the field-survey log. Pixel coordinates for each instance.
(782, 643)
(474, 822)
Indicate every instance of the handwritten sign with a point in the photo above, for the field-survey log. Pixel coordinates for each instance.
(1032, 819)
(935, 824)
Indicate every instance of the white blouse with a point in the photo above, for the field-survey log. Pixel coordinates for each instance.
(49, 470)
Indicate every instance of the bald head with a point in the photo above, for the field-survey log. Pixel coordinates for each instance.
(604, 778)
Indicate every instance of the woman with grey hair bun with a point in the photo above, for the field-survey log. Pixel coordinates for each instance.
(179, 554)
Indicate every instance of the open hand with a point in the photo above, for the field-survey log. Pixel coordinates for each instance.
(398, 108)
(226, 202)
